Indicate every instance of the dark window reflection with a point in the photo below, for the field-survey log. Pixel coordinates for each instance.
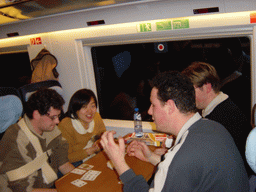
(123, 71)
(16, 70)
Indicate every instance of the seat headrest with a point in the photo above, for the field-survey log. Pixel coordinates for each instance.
(29, 89)
(10, 111)
(56, 88)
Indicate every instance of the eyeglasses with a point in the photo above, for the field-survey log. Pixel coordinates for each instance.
(53, 117)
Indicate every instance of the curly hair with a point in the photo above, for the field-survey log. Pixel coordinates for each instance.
(42, 100)
(78, 100)
(177, 87)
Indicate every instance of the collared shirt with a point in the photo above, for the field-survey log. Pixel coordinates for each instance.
(216, 101)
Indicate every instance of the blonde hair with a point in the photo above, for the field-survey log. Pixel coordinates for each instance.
(201, 73)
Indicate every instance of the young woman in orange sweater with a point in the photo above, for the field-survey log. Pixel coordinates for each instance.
(82, 126)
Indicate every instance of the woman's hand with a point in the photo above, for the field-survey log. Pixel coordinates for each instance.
(93, 149)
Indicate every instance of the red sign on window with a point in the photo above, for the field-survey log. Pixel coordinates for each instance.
(36, 41)
(253, 17)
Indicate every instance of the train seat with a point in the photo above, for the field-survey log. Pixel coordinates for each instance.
(29, 89)
(11, 108)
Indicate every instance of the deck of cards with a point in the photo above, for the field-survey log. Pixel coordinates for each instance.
(88, 174)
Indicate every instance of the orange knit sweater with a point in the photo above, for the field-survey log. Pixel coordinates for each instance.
(77, 141)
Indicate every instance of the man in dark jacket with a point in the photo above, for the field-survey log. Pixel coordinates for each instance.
(217, 106)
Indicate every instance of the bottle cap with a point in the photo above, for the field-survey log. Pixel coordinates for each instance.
(136, 109)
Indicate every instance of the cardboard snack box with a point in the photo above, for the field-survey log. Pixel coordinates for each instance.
(154, 139)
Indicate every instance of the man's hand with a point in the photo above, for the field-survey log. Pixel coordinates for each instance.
(142, 152)
(161, 151)
(115, 152)
(139, 150)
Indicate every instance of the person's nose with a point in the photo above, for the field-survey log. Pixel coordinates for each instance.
(150, 110)
(57, 120)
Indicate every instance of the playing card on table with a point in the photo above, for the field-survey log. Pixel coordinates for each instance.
(90, 175)
(78, 183)
(110, 165)
(78, 171)
(86, 166)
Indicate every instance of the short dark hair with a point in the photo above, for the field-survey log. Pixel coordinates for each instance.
(78, 100)
(42, 100)
(177, 87)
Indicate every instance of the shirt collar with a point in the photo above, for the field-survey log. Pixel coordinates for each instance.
(80, 128)
(186, 126)
(216, 101)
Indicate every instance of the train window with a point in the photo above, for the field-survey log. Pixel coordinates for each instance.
(16, 70)
(123, 71)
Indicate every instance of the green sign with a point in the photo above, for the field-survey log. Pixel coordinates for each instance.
(180, 24)
(145, 27)
(164, 25)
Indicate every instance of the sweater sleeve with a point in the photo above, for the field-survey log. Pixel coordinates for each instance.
(133, 182)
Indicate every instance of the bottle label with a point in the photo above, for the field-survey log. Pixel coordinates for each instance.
(137, 117)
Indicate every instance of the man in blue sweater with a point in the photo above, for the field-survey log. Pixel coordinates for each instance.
(204, 156)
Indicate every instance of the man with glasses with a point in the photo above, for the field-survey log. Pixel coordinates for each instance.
(33, 150)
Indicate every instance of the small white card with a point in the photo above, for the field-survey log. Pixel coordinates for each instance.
(86, 166)
(90, 175)
(78, 183)
(110, 165)
(78, 171)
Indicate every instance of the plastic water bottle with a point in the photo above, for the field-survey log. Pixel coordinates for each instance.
(137, 123)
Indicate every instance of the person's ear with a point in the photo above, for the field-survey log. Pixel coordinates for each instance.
(208, 87)
(36, 115)
(171, 106)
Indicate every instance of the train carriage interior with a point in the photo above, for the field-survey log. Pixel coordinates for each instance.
(123, 72)
(98, 47)
(115, 48)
